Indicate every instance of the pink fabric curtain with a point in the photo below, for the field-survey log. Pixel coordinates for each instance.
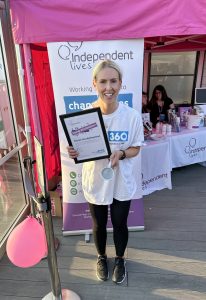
(62, 20)
(46, 109)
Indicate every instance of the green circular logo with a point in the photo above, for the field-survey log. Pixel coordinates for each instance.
(73, 183)
(73, 191)
(73, 175)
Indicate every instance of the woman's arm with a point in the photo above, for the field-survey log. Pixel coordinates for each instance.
(170, 103)
(132, 151)
(129, 153)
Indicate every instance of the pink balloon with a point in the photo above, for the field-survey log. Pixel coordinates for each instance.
(26, 245)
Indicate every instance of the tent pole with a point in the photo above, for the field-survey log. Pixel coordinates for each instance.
(27, 132)
(32, 92)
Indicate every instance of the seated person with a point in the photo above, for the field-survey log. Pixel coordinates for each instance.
(144, 102)
(159, 104)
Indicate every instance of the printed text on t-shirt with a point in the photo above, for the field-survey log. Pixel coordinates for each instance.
(118, 136)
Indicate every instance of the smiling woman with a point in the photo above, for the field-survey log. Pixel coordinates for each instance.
(118, 188)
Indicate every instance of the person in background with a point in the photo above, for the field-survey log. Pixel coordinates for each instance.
(159, 104)
(144, 102)
(117, 192)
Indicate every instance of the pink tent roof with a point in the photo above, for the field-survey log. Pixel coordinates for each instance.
(62, 20)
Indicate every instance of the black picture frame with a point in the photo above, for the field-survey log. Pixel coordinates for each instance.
(93, 117)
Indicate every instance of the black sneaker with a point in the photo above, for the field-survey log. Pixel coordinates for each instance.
(102, 268)
(119, 271)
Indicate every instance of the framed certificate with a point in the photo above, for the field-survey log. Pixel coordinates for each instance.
(86, 133)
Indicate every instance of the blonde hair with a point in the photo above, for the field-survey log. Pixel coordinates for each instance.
(106, 64)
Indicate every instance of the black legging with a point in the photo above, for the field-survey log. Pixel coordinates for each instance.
(119, 211)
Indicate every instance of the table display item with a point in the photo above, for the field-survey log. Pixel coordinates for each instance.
(158, 128)
(193, 121)
(147, 129)
(168, 129)
(177, 124)
(171, 114)
(164, 129)
(145, 117)
(157, 136)
(201, 114)
(183, 112)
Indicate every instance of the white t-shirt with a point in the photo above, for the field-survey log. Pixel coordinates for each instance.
(124, 129)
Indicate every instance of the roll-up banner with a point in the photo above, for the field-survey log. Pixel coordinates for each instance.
(71, 66)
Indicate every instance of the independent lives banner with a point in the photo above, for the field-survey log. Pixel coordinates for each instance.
(71, 66)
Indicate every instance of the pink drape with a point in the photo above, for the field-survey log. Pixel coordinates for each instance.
(37, 21)
(63, 20)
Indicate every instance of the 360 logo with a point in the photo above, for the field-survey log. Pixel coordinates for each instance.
(118, 136)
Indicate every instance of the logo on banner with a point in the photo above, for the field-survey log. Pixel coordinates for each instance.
(145, 183)
(65, 51)
(191, 150)
(79, 60)
(77, 103)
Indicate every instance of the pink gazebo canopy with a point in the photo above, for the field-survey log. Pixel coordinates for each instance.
(166, 25)
(62, 20)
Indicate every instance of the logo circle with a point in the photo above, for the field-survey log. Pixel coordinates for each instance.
(73, 183)
(73, 191)
(192, 142)
(72, 175)
(64, 52)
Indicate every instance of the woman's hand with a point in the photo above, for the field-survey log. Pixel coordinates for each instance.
(72, 152)
(115, 157)
(129, 153)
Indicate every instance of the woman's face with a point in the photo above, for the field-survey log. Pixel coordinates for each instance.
(107, 85)
(158, 95)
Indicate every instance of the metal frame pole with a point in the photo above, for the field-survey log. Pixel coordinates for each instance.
(57, 293)
(51, 256)
(28, 167)
(44, 208)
